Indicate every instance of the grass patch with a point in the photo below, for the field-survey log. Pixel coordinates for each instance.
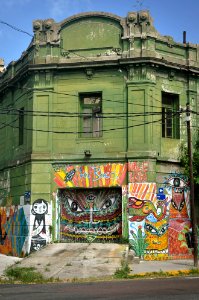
(122, 272)
(25, 275)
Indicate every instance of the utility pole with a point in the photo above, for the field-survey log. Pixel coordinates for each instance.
(193, 214)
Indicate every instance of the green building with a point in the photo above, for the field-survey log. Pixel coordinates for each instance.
(92, 120)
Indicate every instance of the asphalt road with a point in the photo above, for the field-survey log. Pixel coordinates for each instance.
(174, 289)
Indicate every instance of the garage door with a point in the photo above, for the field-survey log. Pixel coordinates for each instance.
(91, 214)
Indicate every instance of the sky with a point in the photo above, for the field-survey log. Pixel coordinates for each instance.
(171, 17)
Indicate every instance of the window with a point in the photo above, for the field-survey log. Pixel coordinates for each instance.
(170, 116)
(21, 126)
(90, 119)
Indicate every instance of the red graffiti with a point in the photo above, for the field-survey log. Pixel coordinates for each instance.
(138, 171)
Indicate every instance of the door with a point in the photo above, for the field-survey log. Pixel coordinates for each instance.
(91, 214)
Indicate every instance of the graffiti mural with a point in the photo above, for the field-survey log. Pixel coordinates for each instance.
(137, 171)
(148, 222)
(3, 233)
(137, 238)
(90, 176)
(91, 214)
(177, 189)
(13, 230)
(156, 236)
(159, 222)
(42, 220)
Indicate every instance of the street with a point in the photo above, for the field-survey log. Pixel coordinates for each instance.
(147, 289)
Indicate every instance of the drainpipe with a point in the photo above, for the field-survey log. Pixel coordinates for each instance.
(125, 92)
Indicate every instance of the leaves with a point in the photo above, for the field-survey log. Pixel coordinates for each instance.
(184, 158)
(138, 243)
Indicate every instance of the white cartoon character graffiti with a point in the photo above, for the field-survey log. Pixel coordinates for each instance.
(39, 237)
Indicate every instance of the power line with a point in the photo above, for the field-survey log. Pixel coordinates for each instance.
(77, 96)
(74, 95)
(81, 132)
(140, 2)
(13, 112)
(41, 90)
(15, 28)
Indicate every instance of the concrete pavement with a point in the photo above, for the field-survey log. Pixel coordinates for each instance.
(158, 266)
(6, 261)
(76, 260)
(70, 261)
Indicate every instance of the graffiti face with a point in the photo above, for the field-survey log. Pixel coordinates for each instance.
(39, 210)
(149, 216)
(95, 213)
(40, 207)
(176, 187)
(157, 235)
(179, 214)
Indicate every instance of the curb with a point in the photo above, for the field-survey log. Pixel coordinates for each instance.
(169, 273)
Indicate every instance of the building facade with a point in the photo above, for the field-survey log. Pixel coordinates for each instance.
(92, 120)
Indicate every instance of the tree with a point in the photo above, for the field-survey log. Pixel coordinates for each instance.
(185, 164)
(185, 160)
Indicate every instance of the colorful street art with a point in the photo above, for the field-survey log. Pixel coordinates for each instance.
(13, 230)
(91, 214)
(42, 220)
(156, 236)
(24, 228)
(137, 171)
(148, 227)
(158, 225)
(90, 176)
(158, 222)
(177, 189)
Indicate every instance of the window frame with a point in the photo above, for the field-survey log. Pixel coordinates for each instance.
(93, 119)
(170, 116)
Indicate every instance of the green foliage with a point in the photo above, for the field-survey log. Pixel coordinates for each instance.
(184, 158)
(138, 243)
(123, 272)
(25, 275)
(123, 240)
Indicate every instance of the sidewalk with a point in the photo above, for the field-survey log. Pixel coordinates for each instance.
(6, 261)
(83, 260)
(157, 266)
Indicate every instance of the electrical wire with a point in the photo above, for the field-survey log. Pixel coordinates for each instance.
(15, 28)
(74, 95)
(77, 96)
(81, 132)
(82, 56)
